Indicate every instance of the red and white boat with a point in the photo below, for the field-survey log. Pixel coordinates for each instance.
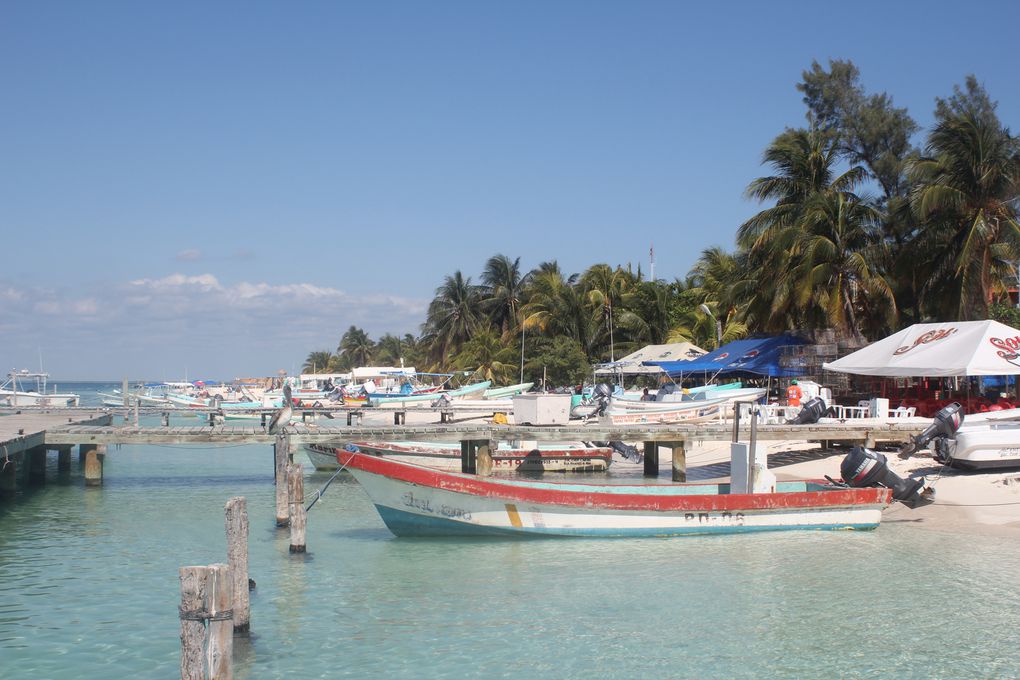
(419, 501)
(544, 457)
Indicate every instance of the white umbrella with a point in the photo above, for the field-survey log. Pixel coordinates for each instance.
(955, 348)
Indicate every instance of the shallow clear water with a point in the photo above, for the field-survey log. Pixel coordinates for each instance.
(89, 589)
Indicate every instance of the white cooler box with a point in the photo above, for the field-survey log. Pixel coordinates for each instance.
(541, 409)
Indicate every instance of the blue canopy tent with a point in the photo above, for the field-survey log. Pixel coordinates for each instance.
(757, 356)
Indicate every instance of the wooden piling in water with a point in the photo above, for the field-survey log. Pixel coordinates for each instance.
(651, 459)
(94, 455)
(680, 461)
(282, 449)
(483, 459)
(207, 641)
(297, 517)
(236, 519)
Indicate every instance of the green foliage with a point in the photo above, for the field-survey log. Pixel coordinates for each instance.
(560, 359)
(1004, 313)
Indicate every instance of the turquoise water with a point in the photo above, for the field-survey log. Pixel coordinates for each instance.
(89, 589)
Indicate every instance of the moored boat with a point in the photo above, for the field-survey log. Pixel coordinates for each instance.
(14, 393)
(543, 457)
(418, 501)
(682, 412)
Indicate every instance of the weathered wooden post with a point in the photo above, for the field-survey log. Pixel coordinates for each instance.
(679, 461)
(483, 459)
(282, 448)
(467, 456)
(124, 392)
(206, 650)
(651, 459)
(298, 518)
(166, 418)
(94, 455)
(236, 515)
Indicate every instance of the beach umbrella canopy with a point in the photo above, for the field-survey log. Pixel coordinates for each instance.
(632, 364)
(954, 348)
(755, 356)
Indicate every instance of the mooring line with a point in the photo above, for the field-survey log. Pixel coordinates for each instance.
(321, 491)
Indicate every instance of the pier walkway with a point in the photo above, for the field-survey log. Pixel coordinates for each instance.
(25, 438)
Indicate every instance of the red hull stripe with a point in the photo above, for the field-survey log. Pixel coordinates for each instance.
(476, 486)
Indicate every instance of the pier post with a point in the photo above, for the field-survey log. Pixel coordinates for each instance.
(207, 642)
(651, 459)
(166, 419)
(63, 458)
(679, 461)
(36, 465)
(282, 451)
(483, 464)
(467, 456)
(124, 392)
(236, 519)
(94, 455)
(298, 518)
(8, 475)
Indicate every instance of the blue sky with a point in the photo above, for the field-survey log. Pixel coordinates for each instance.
(218, 188)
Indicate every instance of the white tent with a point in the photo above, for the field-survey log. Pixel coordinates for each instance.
(955, 348)
(631, 364)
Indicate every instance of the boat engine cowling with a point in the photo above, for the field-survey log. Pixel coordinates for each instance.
(863, 468)
(601, 396)
(810, 413)
(944, 425)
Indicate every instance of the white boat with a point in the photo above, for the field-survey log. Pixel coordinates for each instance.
(418, 501)
(505, 392)
(544, 457)
(13, 392)
(683, 412)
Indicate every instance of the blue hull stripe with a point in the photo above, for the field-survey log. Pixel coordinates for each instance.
(404, 523)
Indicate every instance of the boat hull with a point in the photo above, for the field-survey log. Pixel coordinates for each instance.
(558, 459)
(415, 501)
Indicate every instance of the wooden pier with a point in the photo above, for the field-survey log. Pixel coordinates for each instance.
(92, 431)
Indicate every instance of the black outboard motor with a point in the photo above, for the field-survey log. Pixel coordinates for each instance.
(601, 396)
(945, 424)
(866, 468)
(812, 410)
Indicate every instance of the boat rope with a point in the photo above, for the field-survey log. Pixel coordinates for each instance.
(320, 492)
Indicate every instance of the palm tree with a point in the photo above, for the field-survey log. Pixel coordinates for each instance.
(355, 348)
(318, 362)
(501, 290)
(836, 262)
(389, 350)
(488, 357)
(604, 289)
(556, 307)
(453, 316)
(966, 196)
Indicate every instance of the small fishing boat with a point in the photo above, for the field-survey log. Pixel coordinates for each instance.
(507, 392)
(426, 398)
(418, 501)
(14, 393)
(682, 412)
(544, 457)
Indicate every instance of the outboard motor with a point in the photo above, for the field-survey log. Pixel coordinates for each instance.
(866, 468)
(601, 396)
(945, 424)
(812, 410)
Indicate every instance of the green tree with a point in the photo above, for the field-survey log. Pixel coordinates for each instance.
(501, 291)
(453, 316)
(318, 361)
(355, 348)
(489, 358)
(967, 192)
(560, 359)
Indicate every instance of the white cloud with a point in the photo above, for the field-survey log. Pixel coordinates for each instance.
(157, 327)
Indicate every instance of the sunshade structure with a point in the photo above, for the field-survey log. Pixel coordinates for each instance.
(758, 356)
(632, 363)
(935, 350)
